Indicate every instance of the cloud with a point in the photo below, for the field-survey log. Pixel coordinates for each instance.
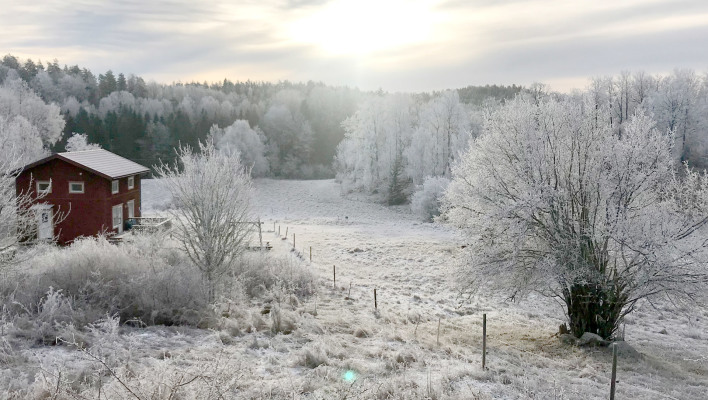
(466, 42)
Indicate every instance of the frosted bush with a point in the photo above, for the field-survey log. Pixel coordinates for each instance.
(313, 356)
(261, 275)
(92, 278)
(426, 200)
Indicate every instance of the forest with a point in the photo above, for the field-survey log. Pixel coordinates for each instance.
(284, 129)
(399, 147)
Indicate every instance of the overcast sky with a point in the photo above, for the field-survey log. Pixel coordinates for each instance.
(394, 45)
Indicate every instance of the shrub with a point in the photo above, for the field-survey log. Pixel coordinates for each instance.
(81, 284)
(261, 275)
(426, 200)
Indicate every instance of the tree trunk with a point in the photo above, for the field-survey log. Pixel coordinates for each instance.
(593, 308)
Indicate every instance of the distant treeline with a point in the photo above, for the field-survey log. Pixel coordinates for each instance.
(299, 124)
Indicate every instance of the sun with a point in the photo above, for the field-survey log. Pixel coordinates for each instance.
(365, 26)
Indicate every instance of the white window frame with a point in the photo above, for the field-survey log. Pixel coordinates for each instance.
(131, 182)
(76, 183)
(115, 187)
(46, 191)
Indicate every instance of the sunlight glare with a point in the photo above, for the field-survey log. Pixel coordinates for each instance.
(365, 26)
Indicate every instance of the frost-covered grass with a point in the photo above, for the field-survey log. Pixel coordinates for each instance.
(285, 331)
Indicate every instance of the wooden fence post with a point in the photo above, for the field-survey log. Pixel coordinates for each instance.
(376, 305)
(484, 341)
(614, 371)
(438, 331)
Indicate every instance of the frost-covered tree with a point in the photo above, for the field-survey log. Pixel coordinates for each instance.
(426, 200)
(676, 107)
(289, 137)
(396, 141)
(79, 142)
(212, 193)
(20, 144)
(372, 156)
(554, 200)
(17, 99)
(28, 126)
(16, 218)
(239, 139)
(441, 135)
(20, 141)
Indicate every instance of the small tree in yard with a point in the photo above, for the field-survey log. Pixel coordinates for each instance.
(553, 201)
(212, 193)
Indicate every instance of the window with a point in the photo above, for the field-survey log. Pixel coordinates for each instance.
(114, 187)
(131, 182)
(76, 187)
(44, 187)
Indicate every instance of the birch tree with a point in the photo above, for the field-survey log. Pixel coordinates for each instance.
(212, 193)
(553, 200)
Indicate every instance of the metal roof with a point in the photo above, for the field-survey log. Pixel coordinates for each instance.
(104, 163)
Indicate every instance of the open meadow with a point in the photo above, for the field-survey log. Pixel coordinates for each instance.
(300, 335)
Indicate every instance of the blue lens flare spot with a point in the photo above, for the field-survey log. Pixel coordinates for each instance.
(350, 376)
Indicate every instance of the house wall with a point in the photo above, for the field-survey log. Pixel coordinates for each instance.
(123, 196)
(85, 214)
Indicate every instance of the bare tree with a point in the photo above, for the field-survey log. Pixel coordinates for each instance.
(212, 193)
(18, 220)
(554, 200)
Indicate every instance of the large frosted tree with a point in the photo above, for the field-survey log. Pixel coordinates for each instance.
(554, 200)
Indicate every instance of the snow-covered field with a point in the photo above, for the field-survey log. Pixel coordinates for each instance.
(342, 347)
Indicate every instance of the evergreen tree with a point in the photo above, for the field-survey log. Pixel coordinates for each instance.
(106, 84)
(397, 187)
(121, 84)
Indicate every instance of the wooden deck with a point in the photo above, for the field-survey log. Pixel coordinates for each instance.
(142, 225)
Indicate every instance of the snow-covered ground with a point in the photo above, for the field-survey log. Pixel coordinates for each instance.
(342, 347)
(413, 264)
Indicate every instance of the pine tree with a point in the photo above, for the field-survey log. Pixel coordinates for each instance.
(396, 190)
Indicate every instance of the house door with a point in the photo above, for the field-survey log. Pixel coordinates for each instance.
(118, 218)
(45, 224)
(131, 209)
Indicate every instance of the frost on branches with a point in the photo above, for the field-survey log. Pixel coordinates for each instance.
(28, 127)
(79, 142)
(395, 142)
(212, 192)
(553, 200)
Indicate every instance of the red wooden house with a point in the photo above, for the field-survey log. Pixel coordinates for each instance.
(94, 191)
